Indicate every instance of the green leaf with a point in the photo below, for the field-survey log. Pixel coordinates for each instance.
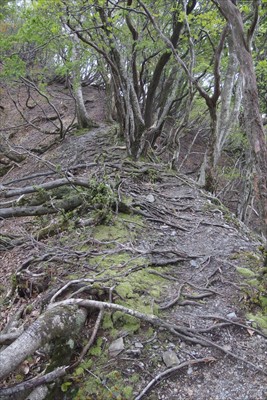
(65, 386)
(78, 371)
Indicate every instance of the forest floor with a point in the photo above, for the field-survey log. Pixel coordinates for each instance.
(164, 247)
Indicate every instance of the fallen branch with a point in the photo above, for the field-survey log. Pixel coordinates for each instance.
(63, 171)
(91, 341)
(34, 382)
(60, 205)
(231, 322)
(46, 186)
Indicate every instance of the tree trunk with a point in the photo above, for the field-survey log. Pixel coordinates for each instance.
(253, 121)
(210, 171)
(230, 101)
(83, 118)
(56, 323)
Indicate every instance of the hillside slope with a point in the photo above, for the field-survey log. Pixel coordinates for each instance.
(132, 235)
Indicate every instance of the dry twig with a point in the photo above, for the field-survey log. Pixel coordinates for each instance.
(170, 371)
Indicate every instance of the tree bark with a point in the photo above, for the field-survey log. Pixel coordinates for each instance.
(55, 323)
(230, 101)
(83, 119)
(253, 121)
(160, 66)
(45, 186)
(66, 205)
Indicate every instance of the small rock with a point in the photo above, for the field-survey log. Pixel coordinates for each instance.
(232, 316)
(134, 352)
(165, 226)
(189, 371)
(150, 198)
(138, 345)
(116, 347)
(170, 358)
(194, 264)
(227, 347)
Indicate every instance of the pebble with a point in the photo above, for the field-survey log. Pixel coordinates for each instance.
(194, 264)
(116, 347)
(138, 345)
(189, 371)
(170, 358)
(150, 198)
(231, 315)
(134, 352)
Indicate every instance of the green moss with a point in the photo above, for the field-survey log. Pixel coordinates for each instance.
(80, 132)
(145, 283)
(108, 325)
(72, 277)
(111, 263)
(19, 377)
(134, 378)
(263, 302)
(118, 230)
(259, 320)
(253, 282)
(215, 204)
(247, 273)
(134, 287)
(107, 322)
(115, 388)
(229, 173)
(96, 350)
(125, 290)
(250, 258)
(126, 322)
(127, 392)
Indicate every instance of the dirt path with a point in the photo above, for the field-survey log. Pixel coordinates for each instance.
(206, 263)
(216, 247)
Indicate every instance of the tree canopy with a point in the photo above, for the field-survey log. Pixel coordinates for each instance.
(165, 66)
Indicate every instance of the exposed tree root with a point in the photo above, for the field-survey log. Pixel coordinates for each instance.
(68, 316)
(183, 332)
(34, 382)
(55, 322)
(171, 371)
